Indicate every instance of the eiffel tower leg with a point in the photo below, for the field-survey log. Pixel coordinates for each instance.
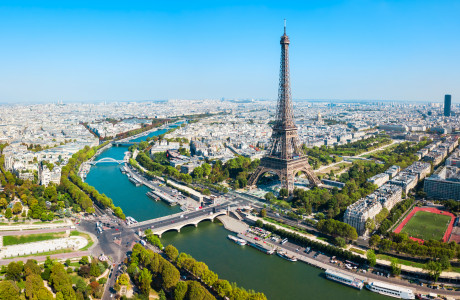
(255, 175)
(311, 176)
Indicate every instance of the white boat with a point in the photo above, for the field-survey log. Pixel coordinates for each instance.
(130, 220)
(284, 255)
(344, 279)
(390, 290)
(239, 241)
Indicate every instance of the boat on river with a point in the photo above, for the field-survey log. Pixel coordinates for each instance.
(390, 290)
(283, 254)
(135, 181)
(265, 249)
(239, 241)
(344, 279)
(151, 195)
(130, 220)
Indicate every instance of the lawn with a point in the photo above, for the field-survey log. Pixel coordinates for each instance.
(427, 226)
(86, 236)
(29, 238)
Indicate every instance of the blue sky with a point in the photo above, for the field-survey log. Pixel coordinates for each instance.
(146, 50)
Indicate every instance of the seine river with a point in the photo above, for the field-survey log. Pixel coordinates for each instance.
(249, 268)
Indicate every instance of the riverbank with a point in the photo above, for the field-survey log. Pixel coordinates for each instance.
(324, 262)
(186, 203)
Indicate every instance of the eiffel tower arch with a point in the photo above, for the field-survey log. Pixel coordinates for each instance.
(285, 157)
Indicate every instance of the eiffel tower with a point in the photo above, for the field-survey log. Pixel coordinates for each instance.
(285, 157)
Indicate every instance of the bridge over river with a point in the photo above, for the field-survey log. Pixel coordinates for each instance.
(179, 220)
(106, 160)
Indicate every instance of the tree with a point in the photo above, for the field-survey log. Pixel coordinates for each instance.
(50, 193)
(337, 228)
(197, 172)
(17, 208)
(371, 257)
(84, 271)
(84, 260)
(8, 213)
(96, 289)
(94, 270)
(80, 285)
(145, 278)
(395, 267)
(123, 279)
(370, 224)
(154, 240)
(8, 290)
(3, 203)
(35, 288)
(143, 145)
(284, 192)
(170, 275)
(374, 240)
(14, 271)
(48, 263)
(195, 290)
(61, 282)
(340, 241)
(171, 252)
(444, 262)
(180, 290)
(263, 213)
(209, 277)
(162, 295)
(119, 213)
(223, 288)
(31, 267)
(206, 169)
(269, 196)
(434, 269)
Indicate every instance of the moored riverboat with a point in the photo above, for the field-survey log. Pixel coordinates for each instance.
(390, 290)
(283, 254)
(344, 279)
(239, 241)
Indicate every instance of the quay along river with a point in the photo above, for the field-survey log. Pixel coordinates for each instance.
(275, 277)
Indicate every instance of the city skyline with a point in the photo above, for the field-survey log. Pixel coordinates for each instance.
(81, 52)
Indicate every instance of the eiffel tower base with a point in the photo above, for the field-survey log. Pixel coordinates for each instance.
(286, 171)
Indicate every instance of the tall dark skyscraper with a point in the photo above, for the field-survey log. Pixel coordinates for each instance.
(447, 104)
(285, 157)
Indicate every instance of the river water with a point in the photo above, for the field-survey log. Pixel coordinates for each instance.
(249, 268)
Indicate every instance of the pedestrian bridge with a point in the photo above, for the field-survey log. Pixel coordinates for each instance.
(177, 221)
(107, 160)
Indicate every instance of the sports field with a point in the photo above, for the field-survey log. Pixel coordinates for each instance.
(427, 225)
